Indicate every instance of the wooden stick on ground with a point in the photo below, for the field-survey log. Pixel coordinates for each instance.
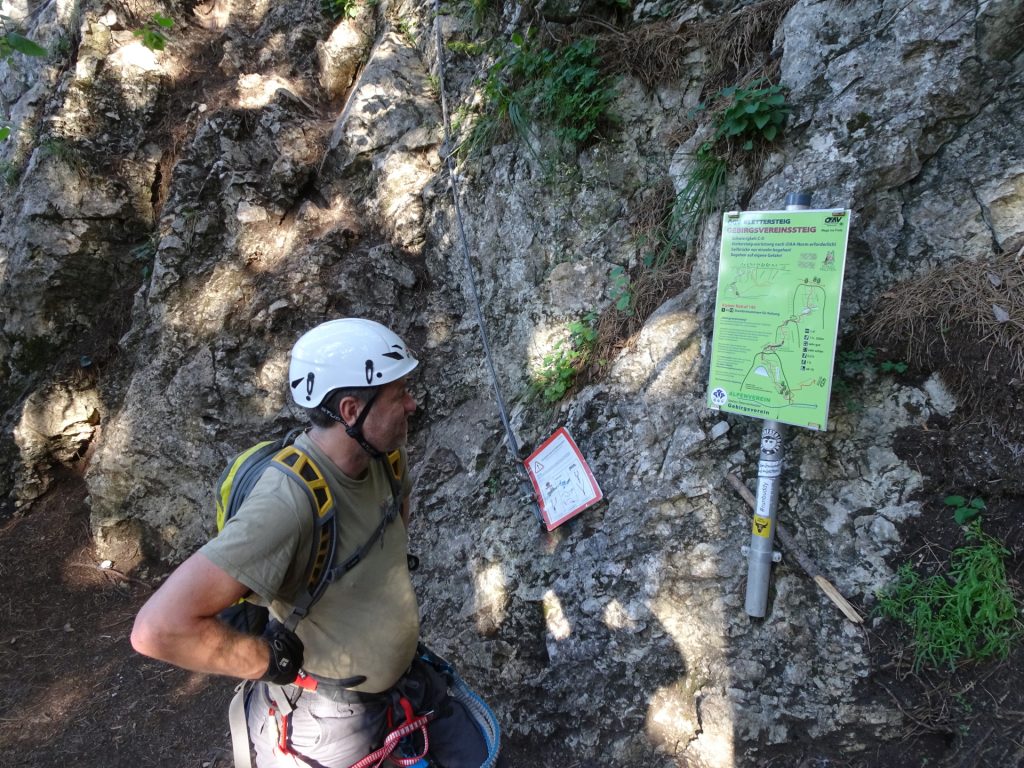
(801, 557)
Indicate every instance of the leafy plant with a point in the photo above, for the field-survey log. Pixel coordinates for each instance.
(563, 88)
(968, 614)
(755, 111)
(559, 368)
(622, 296)
(12, 42)
(574, 95)
(964, 510)
(855, 361)
(152, 34)
(481, 8)
(752, 113)
(338, 9)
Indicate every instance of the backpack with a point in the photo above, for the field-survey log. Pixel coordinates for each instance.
(236, 483)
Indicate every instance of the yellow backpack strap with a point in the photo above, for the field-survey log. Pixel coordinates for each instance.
(298, 465)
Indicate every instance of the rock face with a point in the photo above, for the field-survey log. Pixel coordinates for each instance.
(181, 217)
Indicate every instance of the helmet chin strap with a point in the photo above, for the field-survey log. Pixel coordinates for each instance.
(355, 430)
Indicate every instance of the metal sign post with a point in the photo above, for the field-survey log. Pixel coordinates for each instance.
(761, 552)
(780, 279)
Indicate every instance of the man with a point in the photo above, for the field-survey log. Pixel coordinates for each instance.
(360, 638)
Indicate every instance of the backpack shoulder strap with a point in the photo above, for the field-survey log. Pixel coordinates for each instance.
(300, 467)
(244, 472)
(393, 469)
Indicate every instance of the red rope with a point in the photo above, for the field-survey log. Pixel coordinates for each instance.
(375, 759)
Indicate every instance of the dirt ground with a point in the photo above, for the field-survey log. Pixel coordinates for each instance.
(72, 691)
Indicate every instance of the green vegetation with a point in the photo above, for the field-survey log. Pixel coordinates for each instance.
(406, 27)
(152, 34)
(12, 42)
(700, 196)
(854, 363)
(10, 172)
(563, 88)
(567, 358)
(338, 9)
(757, 111)
(964, 510)
(967, 614)
(464, 48)
(481, 8)
(746, 116)
(742, 117)
(622, 293)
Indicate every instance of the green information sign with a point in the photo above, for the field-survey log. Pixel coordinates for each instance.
(780, 279)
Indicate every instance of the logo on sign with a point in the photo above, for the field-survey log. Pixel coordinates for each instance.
(719, 396)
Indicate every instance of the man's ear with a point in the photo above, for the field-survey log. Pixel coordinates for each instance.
(349, 409)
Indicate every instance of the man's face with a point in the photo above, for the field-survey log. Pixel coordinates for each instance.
(387, 425)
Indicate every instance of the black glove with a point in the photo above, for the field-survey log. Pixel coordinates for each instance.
(285, 654)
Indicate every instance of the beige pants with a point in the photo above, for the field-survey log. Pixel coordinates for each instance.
(321, 733)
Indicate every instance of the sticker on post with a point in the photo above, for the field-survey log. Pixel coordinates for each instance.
(762, 526)
(564, 484)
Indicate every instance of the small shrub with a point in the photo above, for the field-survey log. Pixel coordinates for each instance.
(756, 111)
(152, 34)
(964, 510)
(969, 614)
(338, 9)
(562, 88)
(752, 114)
(559, 368)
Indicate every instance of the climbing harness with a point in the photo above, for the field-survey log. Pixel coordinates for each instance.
(407, 742)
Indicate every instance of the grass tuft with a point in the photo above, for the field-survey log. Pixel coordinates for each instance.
(968, 614)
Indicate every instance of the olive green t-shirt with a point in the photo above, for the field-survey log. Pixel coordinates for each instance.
(365, 624)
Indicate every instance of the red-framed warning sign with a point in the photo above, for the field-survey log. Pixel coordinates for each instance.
(564, 484)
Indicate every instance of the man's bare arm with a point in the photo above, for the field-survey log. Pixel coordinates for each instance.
(179, 624)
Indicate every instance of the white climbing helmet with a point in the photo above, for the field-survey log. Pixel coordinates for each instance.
(350, 352)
